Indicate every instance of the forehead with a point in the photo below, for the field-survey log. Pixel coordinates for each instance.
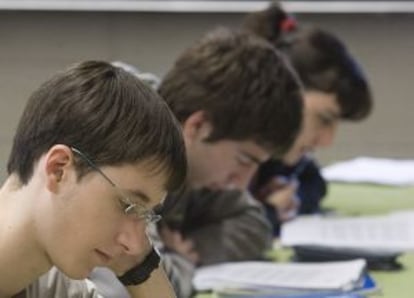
(321, 101)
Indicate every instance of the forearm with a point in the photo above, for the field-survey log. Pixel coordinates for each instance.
(235, 228)
(179, 270)
(157, 285)
(238, 239)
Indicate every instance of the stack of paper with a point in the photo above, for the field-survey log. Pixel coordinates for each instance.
(267, 279)
(372, 170)
(394, 232)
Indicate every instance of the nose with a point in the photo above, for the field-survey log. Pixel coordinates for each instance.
(133, 238)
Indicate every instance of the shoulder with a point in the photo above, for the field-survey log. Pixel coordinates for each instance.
(55, 284)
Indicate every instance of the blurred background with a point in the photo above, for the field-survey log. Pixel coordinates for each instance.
(38, 38)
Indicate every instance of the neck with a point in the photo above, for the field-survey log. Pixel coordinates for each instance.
(21, 258)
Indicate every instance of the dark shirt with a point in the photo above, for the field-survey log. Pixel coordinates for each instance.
(312, 187)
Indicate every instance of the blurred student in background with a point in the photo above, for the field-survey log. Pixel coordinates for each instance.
(238, 103)
(336, 89)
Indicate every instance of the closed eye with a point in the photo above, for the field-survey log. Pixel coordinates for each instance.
(327, 120)
(244, 160)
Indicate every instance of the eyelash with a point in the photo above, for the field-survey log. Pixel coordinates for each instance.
(123, 205)
(325, 121)
(134, 213)
(243, 161)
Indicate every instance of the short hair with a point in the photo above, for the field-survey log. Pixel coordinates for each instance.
(247, 90)
(321, 60)
(105, 112)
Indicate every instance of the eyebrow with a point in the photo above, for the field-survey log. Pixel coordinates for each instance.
(144, 197)
(137, 193)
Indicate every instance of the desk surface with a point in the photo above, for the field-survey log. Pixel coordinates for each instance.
(370, 199)
(352, 199)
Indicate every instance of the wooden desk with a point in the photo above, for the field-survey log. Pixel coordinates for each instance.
(351, 199)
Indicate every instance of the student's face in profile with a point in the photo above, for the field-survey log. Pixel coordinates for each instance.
(321, 118)
(87, 226)
(219, 165)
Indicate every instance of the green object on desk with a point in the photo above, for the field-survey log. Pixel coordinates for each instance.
(367, 199)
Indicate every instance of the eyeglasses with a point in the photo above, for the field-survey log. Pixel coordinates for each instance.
(136, 210)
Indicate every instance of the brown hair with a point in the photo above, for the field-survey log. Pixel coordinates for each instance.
(321, 60)
(247, 89)
(105, 112)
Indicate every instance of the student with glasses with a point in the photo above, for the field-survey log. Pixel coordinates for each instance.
(95, 152)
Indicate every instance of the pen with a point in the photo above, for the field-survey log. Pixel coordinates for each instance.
(305, 160)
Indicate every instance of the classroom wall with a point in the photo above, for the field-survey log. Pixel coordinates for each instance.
(33, 45)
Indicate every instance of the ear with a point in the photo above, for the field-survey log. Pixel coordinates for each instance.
(197, 126)
(58, 161)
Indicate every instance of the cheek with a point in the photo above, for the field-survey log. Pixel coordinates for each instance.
(102, 221)
(299, 142)
(221, 163)
(294, 153)
(95, 218)
(74, 237)
(309, 132)
(310, 126)
(90, 230)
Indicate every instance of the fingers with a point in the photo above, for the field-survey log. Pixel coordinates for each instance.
(275, 184)
(283, 198)
(175, 241)
(291, 210)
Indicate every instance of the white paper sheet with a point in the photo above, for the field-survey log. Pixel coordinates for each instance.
(306, 276)
(372, 170)
(394, 232)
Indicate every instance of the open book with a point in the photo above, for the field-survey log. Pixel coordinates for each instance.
(380, 240)
(389, 233)
(281, 279)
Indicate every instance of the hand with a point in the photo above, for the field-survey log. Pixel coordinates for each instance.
(157, 285)
(175, 241)
(273, 185)
(284, 199)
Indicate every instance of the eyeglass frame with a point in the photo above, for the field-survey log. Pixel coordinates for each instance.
(136, 209)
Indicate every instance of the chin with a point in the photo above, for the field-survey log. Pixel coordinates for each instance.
(77, 273)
